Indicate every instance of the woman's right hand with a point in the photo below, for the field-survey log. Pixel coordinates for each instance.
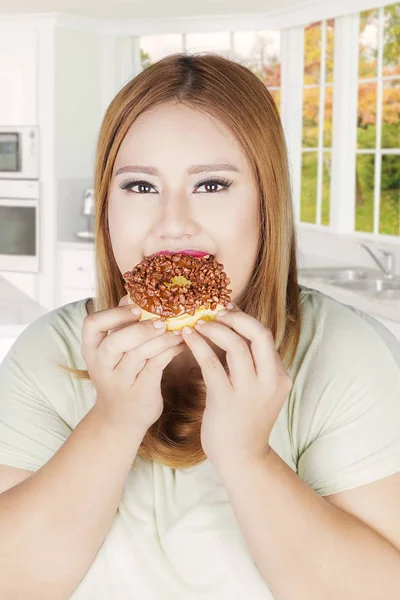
(125, 359)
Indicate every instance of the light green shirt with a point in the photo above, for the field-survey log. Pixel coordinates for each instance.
(174, 536)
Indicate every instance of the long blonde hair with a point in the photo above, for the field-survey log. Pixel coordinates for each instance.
(233, 94)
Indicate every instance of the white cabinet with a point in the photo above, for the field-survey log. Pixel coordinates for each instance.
(18, 76)
(76, 273)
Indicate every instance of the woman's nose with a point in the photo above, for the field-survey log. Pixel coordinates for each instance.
(175, 219)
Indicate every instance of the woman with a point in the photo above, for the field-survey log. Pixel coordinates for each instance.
(254, 457)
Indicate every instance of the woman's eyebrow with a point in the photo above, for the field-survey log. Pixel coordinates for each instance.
(192, 169)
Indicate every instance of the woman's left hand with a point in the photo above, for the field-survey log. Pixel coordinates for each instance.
(242, 406)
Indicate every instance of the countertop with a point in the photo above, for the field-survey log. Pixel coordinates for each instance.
(385, 309)
(78, 245)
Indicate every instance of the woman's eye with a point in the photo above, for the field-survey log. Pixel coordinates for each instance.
(214, 183)
(142, 186)
(129, 185)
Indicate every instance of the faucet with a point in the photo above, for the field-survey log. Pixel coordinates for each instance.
(389, 269)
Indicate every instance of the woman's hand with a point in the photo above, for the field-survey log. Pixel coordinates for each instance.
(125, 360)
(242, 406)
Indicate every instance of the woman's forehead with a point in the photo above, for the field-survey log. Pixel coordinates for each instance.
(180, 135)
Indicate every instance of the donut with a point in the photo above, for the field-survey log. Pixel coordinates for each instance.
(178, 288)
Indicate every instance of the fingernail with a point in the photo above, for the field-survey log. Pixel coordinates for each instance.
(177, 332)
(221, 313)
(187, 329)
(158, 324)
(230, 306)
(136, 311)
(200, 322)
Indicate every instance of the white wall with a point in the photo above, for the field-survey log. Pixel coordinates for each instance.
(78, 102)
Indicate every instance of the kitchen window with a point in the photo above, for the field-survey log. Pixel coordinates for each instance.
(373, 192)
(336, 82)
(259, 51)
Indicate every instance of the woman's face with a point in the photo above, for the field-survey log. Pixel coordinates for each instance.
(161, 196)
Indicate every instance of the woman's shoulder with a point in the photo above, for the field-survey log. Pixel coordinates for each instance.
(344, 407)
(40, 402)
(54, 334)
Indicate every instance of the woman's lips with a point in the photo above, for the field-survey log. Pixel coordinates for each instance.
(195, 253)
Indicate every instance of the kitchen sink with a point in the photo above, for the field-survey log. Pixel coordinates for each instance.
(338, 274)
(388, 289)
(368, 282)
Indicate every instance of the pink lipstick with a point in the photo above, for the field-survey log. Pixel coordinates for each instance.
(195, 253)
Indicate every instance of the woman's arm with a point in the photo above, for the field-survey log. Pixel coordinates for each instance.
(53, 523)
(306, 548)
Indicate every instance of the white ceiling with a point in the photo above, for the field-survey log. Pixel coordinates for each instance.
(146, 8)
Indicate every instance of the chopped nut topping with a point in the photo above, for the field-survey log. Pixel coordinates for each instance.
(173, 285)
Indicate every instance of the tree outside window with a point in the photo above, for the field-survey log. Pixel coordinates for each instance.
(317, 122)
(260, 52)
(378, 122)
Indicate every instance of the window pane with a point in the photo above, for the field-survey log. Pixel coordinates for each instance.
(390, 113)
(330, 49)
(365, 172)
(260, 52)
(366, 118)
(218, 42)
(326, 188)
(368, 46)
(310, 117)
(312, 53)
(328, 117)
(391, 37)
(389, 222)
(309, 169)
(155, 47)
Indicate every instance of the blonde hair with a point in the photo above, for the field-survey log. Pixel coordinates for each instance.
(233, 94)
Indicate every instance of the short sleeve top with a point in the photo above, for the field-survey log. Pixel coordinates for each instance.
(174, 535)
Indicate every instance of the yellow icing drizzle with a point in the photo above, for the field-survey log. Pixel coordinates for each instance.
(178, 280)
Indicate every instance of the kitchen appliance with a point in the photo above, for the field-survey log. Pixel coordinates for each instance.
(19, 226)
(19, 152)
(88, 206)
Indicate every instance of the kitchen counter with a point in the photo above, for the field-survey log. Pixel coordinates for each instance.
(78, 245)
(384, 309)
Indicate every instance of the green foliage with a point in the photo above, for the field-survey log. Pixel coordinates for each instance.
(390, 172)
(308, 206)
(391, 50)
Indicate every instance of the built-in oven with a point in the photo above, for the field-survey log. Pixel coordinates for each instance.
(19, 226)
(19, 152)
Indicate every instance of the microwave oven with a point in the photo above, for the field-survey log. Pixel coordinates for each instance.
(19, 152)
